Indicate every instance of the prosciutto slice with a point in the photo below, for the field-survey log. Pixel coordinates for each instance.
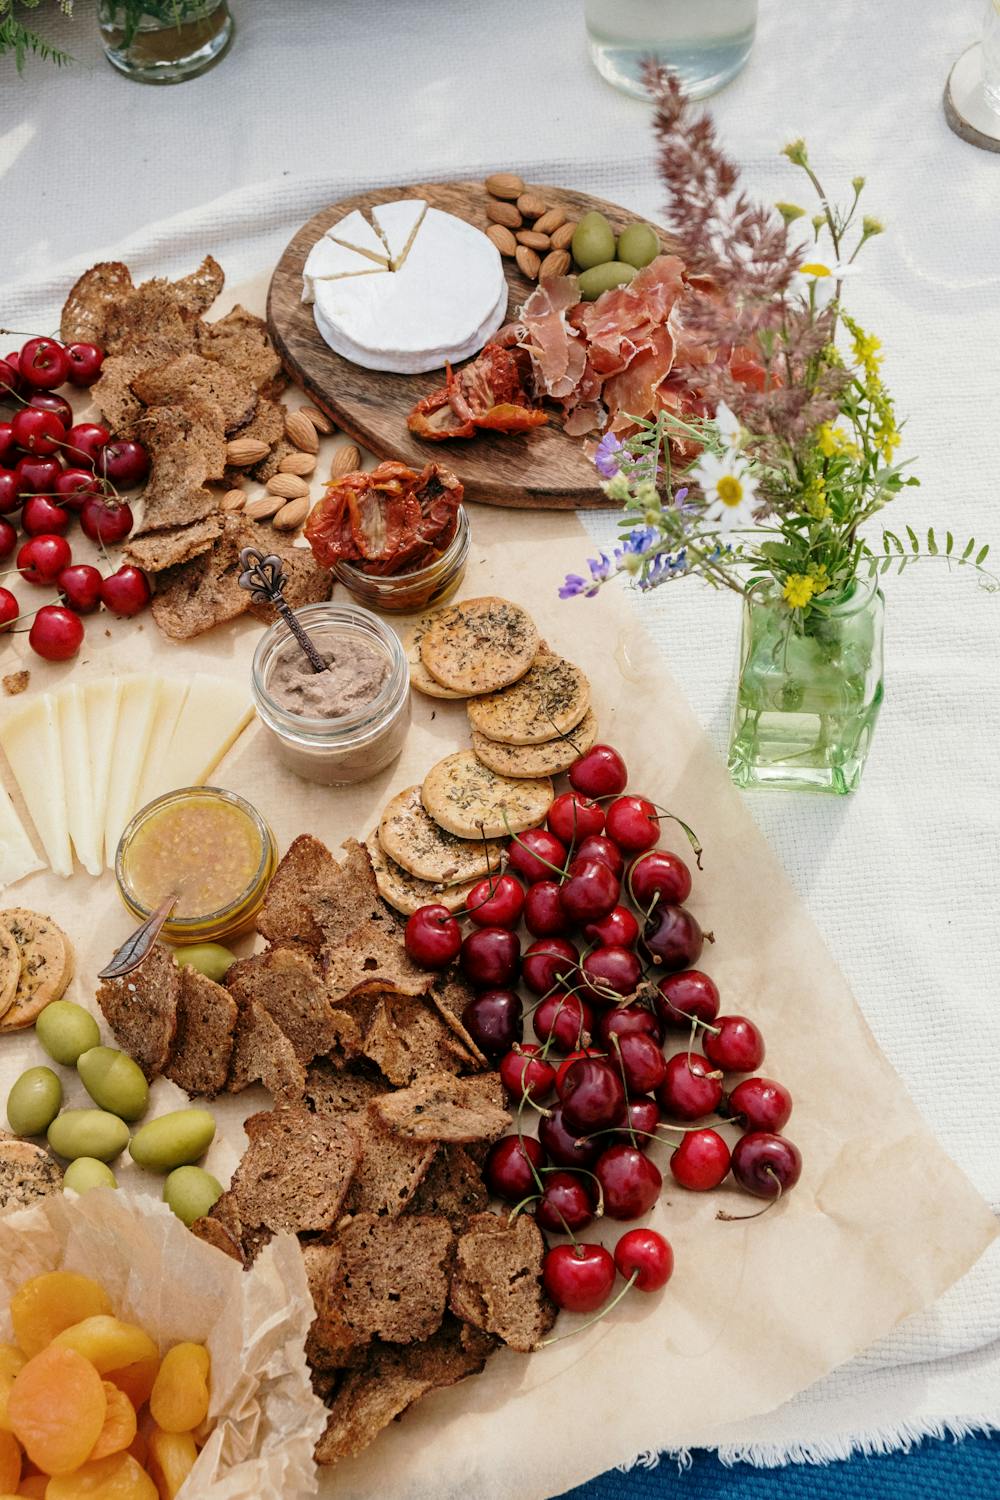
(558, 351)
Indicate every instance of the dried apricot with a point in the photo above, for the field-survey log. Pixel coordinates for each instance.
(136, 1380)
(47, 1304)
(119, 1424)
(116, 1478)
(107, 1342)
(172, 1456)
(10, 1462)
(57, 1408)
(180, 1395)
(139, 1448)
(34, 1487)
(11, 1362)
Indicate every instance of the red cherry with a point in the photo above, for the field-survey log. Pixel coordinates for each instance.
(507, 1170)
(548, 961)
(495, 1021)
(543, 909)
(104, 520)
(766, 1164)
(628, 1020)
(672, 937)
(75, 486)
(619, 929)
(609, 974)
(578, 1278)
(640, 1124)
(687, 995)
(565, 1019)
(573, 817)
(760, 1104)
(126, 591)
(42, 515)
(37, 431)
(49, 401)
(10, 380)
(599, 773)
(566, 1205)
(534, 853)
(642, 1062)
(632, 823)
(490, 958)
(647, 1256)
(125, 463)
(630, 1182)
(736, 1046)
(43, 364)
(590, 891)
(84, 443)
(56, 633)
(43, 558)
(80, 586)
(658, 875)
(8, 539)
(496, 902)
(7, 443)
(9, 609)
(85, 361)
(524, 1074)
(432, 937)
(10, 491)
(37, 475)
(592, 1095)
(565, 1147)
(701, 1161)
(596, 846)
(568, 1062)
(691, 1088)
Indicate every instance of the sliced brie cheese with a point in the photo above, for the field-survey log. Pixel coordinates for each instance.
(356, 233)
(101, 699)
(30, 739)
(327, 258)
(215, 713)
(17, 857)
(86, 834)
(155, 774)
(136, 713)
(398, 223)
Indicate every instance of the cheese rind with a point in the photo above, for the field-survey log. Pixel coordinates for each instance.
(86, 834)
(328, 259)
(398, 224)
(30, 740)
(136, 713)
(408, 363)
(215, 713)
(17, 855)
(356, 233)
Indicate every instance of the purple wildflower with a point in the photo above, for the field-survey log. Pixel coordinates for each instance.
(606, 456)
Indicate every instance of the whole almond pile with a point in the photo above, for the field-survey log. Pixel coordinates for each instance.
(525, 229)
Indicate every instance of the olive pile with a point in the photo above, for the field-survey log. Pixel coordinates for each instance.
(606, 262)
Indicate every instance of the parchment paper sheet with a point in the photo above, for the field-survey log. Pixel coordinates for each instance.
(881, 1222)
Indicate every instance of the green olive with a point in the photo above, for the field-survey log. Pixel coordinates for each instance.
(88, 1132)
(210, 959)
(86, 1173)
(173, 1140)
(638, 245)
(65, 1030)
(593, 241)
(34, 1101)
(602, 278)
(114, 1082)
(191, 1191)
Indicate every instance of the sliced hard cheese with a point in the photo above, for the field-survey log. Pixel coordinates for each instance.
(101, 699)
(398, 223)
(136, 713)
(156, 777)
(86, 833)
(356, 233)
(30, 739)
(328, 259)
(215, 713)
(17, 857)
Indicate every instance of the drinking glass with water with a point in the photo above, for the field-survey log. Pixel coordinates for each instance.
(706, 42)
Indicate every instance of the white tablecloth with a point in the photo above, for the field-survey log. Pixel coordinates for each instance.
(904, 878)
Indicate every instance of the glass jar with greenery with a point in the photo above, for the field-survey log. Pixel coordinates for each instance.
(164, 41)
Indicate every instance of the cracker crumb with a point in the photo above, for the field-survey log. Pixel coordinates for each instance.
(16, 682)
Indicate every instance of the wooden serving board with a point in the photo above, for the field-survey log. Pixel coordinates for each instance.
(544, 469)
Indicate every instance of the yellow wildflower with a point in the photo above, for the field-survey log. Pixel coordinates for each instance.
(814, 501)
(820, 577)
(831, 440)
(798, 590)
(887, 438)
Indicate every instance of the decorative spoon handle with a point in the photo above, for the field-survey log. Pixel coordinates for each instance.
(136, 946)
(264, 579)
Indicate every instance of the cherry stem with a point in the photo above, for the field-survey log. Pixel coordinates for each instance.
(692, 837)
(616, 1047)
(608, 1307)
(741, 1218)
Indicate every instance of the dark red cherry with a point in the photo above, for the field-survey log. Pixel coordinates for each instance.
(543, 910)
(536, 854)
(578, 1278)
(632, 823)
(565, 1147)
(599, 773)
(526, 1075)
(619, 929)
(573, 817)
(490, 958)
(512, 1167)
(566, 1205)
(609, 974)
(547, 962)
(42, 516)
(564, 1019)
(630, 1182)
(597, 846)
(592, 1096)
(495, 1021)
(80, 587)
(590, 891)
(760, 1104)
(691, 1089)
(496, 902)
(49, 401)
(84, 362)
(658, 875)
(642, 1062)
(735, 1045)
(432, 937)
(640, 1124)
(766, 1164)
(687, 995)
(628, 1020)
(647, 1256)
(672, 937)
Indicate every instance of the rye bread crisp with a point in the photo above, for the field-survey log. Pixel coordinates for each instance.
(332, 1088)
(27, 1172)
(203, 1043)
(263, 1054)
(407, 1038)
(141, 1009)
(440, 1107)
(372, 958)
(214, 1233)
(497, 1283)
(288, 915)
(390, 1169)
(331, 1344)
(239, 341)
(393, 1276)
(349, 899)
(295, 1172)
(179, 544)
(187, 449)
(85, 309)
(453, 1186)
(287, 981)
(190, 377)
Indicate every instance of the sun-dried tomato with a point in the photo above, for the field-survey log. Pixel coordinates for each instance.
(490, 392)
(392, 520)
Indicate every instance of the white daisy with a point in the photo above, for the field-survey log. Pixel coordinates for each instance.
(729, 489)
(838, 270)
(728, 425)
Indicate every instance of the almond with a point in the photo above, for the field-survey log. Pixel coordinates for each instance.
(297, 463)
(532, 239)
(233, 500)
(551, 221)
(242, 452)
(504, 185)
(288, 486)
(264, 506)
(345, 461)
(292, 515)
(503, 213)
(563, 236)
(531, 205)
(300, 431)
(502, 237)
(556, 263)
(318, 418)
(528, 262)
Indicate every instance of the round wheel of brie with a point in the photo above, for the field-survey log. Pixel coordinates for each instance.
(438, 296)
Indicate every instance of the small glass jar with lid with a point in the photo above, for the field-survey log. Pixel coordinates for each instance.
(354, 724)
(421, 588)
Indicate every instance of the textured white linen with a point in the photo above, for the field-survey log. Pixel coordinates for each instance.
(904, 878)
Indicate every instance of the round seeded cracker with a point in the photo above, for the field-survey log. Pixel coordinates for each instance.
(549, 758)
(549, 700)
(404, 891)
(479, 645)
(10, 970)
(468, 799)
(46, 965)
(420, 678)
(423, 848)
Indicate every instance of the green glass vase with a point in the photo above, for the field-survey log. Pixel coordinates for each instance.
(164, 41)
(809, 691)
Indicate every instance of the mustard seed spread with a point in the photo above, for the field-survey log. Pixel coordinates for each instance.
(206, 851)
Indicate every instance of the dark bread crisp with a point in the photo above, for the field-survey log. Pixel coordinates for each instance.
(453, 1186)
(203, 1044)
(334, 1089)
(263, 1054)
(306, 582)
(194, 294)
(106, 308)
(215, 1233)
(85, 309)
(390, 1168)
(190, 377)
(497, 1285)
(141, 1009)
(187, 449)
(167, 549)
(239, 341)
(392, 1379)
(288, 914)
(372, 958)
(295, 1172)
(349, 900)
(450, 995)
(440, 1107)
(287, 982)
(27, 1172)
(407, 1039)
(331, 1344)
(393, 1276)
